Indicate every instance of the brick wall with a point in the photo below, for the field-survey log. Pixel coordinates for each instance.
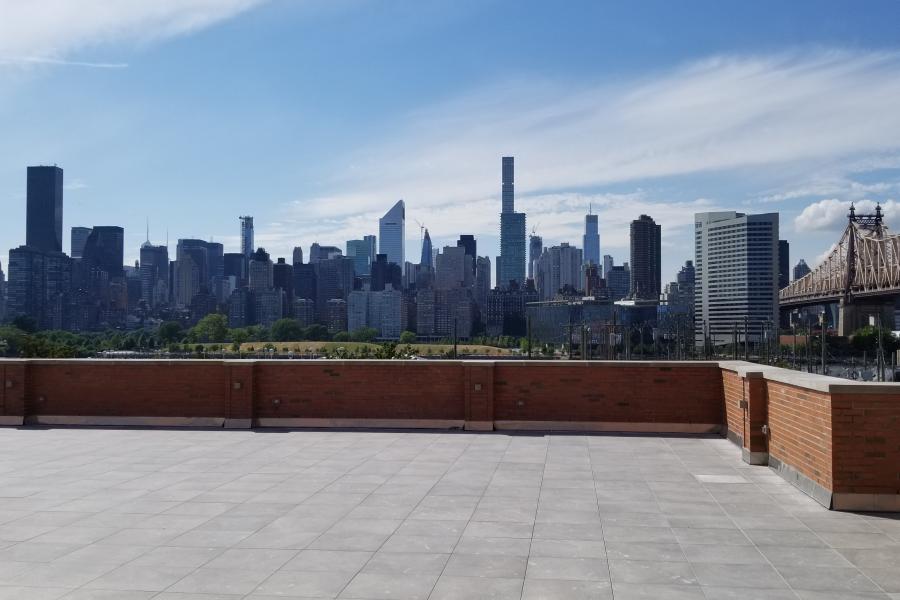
(801, 430)
(866, 443)
(733, 393)
(608, 392)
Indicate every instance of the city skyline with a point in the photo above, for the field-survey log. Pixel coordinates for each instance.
(600, 122)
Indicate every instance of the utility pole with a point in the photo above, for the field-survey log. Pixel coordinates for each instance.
(529, 336)
(746, 339)
(822, 321)
(455, 340)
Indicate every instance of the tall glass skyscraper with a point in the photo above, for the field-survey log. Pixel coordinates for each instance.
(79, 238)
(427, 259)
(247, 236)
(392, 233)
(591, 240)
(511, 267)
(44, 215)
(360, 252)
(646, 258)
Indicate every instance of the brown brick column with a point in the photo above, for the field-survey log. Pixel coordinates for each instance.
(239, 395)
(479, 395)
(756, 414)
(12, 394)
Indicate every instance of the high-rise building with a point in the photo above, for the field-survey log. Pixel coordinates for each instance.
(246, 236)
(359, 251)
(2, 294)
(646, 259)
(234, 264)
(385, 274)
(79, 238)
(261, 275)
(453, 269)
(591, 240)
(607, 265)
(618, 280)
(784, 264)
(305, 281)
(318, 253)
(801, 269)
(297, 256)
(482, 281)
(283, 279)
(426, 262)
(154, 275)
(559, 270)
(192, 270)
(471, 245)
(535, 249)
(44, 215)
(511, 267)
(39, 286)
(105, 249)
(392, 233)
(736, 274)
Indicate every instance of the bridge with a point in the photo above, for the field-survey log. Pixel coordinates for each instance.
(861, 274)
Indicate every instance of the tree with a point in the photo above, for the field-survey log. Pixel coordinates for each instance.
(317, 333)
(211, 328)
(407, 337)
(25, 323)
(364, 334)
(286, 330)
(238, 337)
(169, 332)
(341, 336)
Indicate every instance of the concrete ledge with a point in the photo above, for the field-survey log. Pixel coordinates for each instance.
(360, 423)
(608, 426)
(238, 423)
(755, 458)
(800, 481)
(809, 381)
(11, 420)
(126, 421)
(866, 502)
(479, 425)
(734, 437)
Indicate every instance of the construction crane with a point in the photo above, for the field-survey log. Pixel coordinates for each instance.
(421, 231)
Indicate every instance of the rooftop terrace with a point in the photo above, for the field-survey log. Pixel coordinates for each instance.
(214, 514)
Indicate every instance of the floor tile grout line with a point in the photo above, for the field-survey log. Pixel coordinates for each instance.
(536, 510)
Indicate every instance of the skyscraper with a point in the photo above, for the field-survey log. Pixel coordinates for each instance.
(44, 215)
(591, 240)
(607, 265)
(154, 274)
(784, 263)
(535, 249)
(246, 235)
(558, 269)
(511, 267)
(261, 271)
(359, 251)
(79, 239)
(297, 257)
(736, 273)
(2, 294)
(801, 269)
(468, 242)
(646, 259)
(105, 249)
(427, 259)
(392, 233)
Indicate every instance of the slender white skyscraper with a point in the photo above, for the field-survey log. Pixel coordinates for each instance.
(392, 233)
(247, 236)
(511, 266)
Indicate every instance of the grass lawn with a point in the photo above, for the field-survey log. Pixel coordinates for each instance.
(423, 349)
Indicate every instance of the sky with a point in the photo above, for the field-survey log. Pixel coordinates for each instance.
(315, 116)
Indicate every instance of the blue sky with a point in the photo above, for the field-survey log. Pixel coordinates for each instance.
(315, 116)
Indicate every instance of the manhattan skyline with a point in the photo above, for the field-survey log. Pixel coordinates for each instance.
(317, 118)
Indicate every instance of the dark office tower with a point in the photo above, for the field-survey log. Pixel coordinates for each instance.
(591, 240)
(191, 270)
(511, 267)
(646, 271)
(298, 255)
(319, 253)
(2, 295)
(358, 250)
(235, 265)
(305, 281)
(385, 274)
(468, 242)
(283, 279)
(507, 189)
(535, 249)
(154, 275)
(44, 218)
(261, 271)
(79, 239)
(482, 280)
(373, 248)
(246, 236)
(26, 283)
(427, 259)
(784, 264)
(105, 250)
(801, 269)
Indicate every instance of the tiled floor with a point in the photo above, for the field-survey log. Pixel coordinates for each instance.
(208, 515)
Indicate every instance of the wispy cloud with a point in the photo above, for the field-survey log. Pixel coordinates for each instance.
(52, 30)
(752, 115)
(831, 214)
(42, 60)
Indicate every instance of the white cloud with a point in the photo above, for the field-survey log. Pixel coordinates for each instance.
(831, 214)
(50, 30)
